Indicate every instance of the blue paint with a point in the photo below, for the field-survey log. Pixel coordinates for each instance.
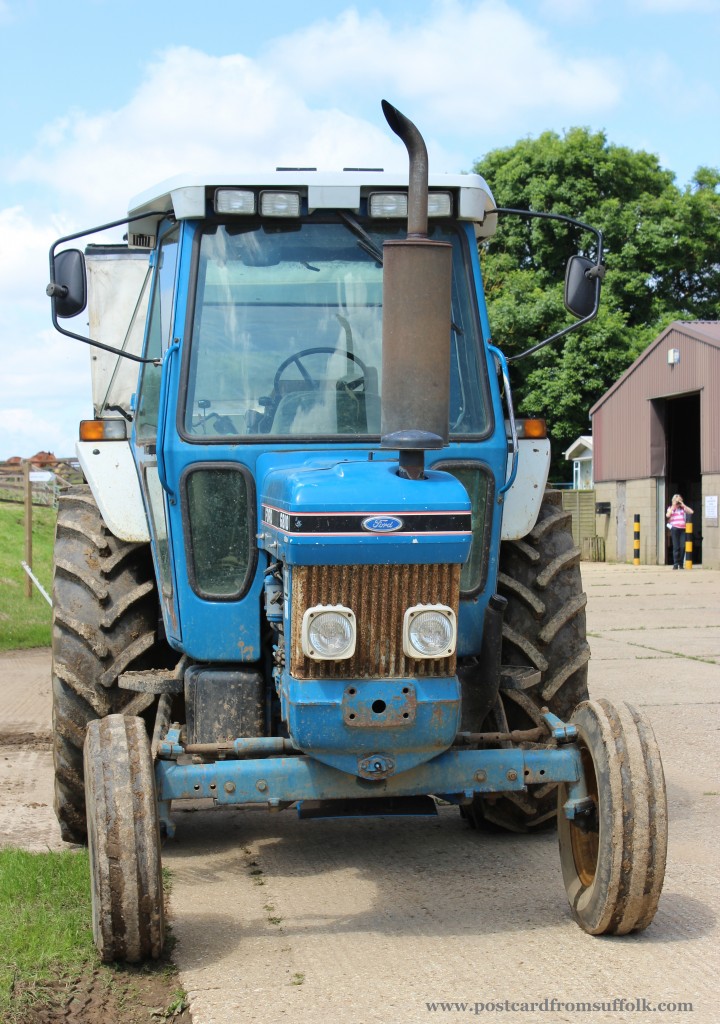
(315, 478)
(340, 488)
(276, 780)
(338, 727)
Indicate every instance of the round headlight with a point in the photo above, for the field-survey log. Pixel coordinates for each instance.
(328, 633)
(429, 632)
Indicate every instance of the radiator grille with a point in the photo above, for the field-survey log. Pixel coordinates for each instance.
(379, 596)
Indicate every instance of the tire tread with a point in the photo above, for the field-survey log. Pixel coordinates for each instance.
(126, 873)
(104, 620)
(544, 628)
(624, 893)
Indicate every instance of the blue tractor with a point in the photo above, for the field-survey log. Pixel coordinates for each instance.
(314, 563)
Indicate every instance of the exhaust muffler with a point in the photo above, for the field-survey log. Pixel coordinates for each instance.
(417, 288)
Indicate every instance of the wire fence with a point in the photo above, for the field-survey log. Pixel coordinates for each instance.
(28, 485)
(46, 485)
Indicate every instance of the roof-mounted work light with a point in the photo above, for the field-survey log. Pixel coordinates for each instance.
(234, 201)
(395, 204)
(280, 204)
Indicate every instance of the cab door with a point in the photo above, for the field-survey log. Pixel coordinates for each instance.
(159, 337)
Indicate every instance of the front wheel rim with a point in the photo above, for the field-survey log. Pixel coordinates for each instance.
(585, 845)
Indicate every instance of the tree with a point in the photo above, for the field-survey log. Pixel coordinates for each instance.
(661, 250)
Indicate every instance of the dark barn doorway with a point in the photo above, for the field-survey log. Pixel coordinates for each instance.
(682, 461)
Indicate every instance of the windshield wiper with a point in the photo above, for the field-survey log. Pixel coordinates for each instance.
(365, 241)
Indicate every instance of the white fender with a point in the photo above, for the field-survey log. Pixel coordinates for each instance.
(523, 500)
(110, 471)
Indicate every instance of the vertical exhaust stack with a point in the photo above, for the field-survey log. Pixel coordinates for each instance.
(417, 284)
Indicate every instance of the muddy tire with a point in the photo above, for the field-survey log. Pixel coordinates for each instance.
(104, 622)
(543, 629)
(613, 866)
(123, 840)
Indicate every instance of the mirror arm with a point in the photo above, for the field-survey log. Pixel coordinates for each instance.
(55, 290)
(553, 216)
(561, 334)
(597, 272)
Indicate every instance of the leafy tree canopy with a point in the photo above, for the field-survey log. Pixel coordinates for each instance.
(661, 250)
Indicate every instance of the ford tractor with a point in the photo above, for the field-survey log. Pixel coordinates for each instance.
(315, 563)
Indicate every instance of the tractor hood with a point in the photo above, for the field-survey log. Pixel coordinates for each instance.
(351, 511)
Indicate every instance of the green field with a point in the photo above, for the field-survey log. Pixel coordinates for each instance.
(23, 622)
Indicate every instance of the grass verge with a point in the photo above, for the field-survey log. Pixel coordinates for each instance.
(45, 931)
(24, 623)
(49, 969)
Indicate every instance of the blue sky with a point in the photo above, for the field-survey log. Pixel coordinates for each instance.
(101, 99)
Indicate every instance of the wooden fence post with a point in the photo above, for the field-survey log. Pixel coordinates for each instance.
(27, 490)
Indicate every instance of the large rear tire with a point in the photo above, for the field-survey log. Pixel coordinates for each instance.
(124, 841)
(543, 629)
(614, 863)
(105, 615)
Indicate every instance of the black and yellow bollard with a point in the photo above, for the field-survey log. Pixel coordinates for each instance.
(636, 540)
(688, 542)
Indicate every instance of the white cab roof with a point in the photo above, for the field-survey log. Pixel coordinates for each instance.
(186, 195)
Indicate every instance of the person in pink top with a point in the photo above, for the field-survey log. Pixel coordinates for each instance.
(676, 516)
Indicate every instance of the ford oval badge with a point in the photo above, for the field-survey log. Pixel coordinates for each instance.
(382, 524)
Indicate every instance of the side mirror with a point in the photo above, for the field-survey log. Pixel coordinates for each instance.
(583, 279)
(582, 289)
(68, 288)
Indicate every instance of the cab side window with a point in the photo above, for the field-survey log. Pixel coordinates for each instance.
(158, 340)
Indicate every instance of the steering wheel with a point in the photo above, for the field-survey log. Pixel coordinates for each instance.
(298, 357)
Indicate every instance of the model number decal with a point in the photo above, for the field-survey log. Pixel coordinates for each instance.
(274, 517)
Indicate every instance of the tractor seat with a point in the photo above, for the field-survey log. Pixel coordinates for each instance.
(327, 411)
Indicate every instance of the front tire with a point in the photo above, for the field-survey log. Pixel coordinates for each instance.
(613, 867)
(124, 841)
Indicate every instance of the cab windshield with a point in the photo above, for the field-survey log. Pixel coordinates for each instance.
(287, 332)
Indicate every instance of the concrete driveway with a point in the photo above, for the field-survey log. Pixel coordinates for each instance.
(406, 920)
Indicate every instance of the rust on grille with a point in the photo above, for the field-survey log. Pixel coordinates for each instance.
(379, 596)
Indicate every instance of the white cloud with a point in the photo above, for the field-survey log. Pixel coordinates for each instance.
(191, 113)
(24, 246)
(46, 391)
(468, 67)
(45, 377)
(25, 432)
